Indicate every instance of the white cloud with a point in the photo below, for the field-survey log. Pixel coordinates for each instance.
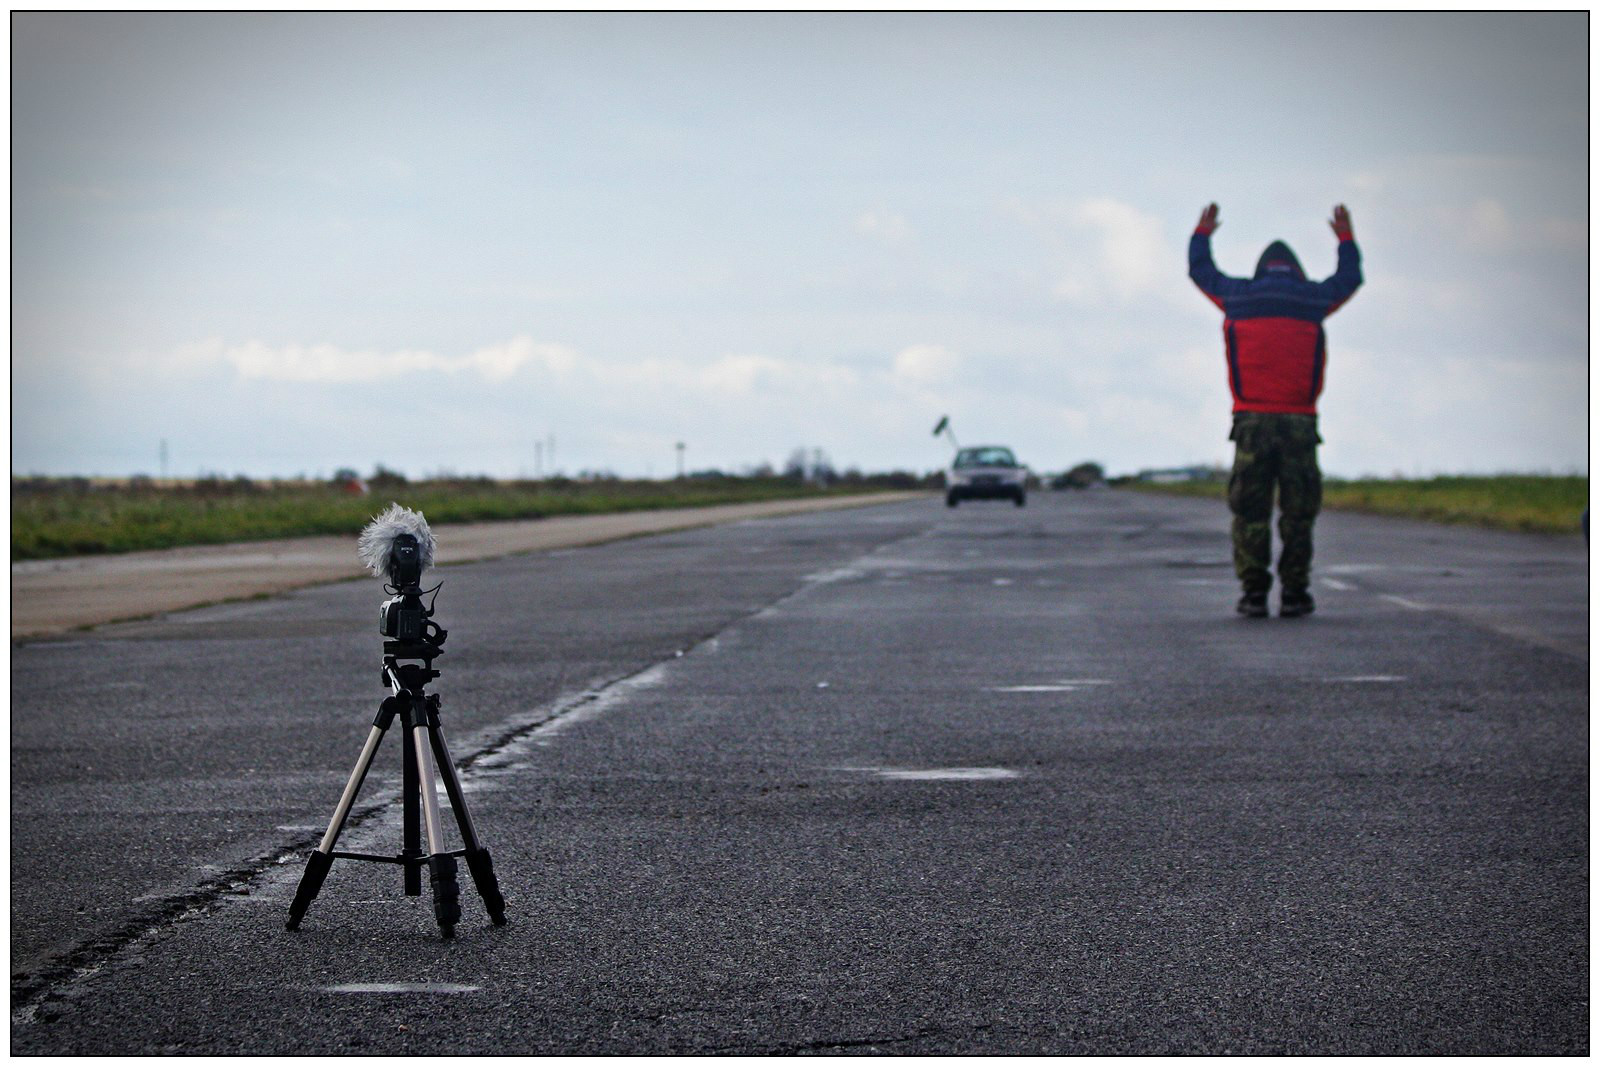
(925, 365)
(740, 373)
(1558, 232)
(884, 225)
(1132, 255)
(496, 363)
(331, 364)
(1487, 224)
(1366, 182)
(1403, 294)
(1113, 250)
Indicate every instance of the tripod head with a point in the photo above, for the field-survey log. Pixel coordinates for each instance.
(412, 635)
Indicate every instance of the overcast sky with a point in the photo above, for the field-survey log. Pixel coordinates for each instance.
(292, 242)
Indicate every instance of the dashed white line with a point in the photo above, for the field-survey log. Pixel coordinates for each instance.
(1411, 605)
(448, 988)
(1032, 688)
(946, 774)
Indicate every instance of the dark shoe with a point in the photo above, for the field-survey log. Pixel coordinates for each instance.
(1253, 606)
(1295, 603)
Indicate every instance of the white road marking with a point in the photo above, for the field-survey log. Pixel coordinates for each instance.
(1370, 678)
(512, 756)
(447, 988)
(1059, 685)
(948, 774)
(936, 774)
(1334, 583)
(1002, 581)
(836, 574)
(1403, 602)
(1057, 688)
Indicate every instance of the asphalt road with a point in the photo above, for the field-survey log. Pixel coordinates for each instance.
(898, 778)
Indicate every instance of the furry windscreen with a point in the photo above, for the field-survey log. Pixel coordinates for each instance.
(377, 541)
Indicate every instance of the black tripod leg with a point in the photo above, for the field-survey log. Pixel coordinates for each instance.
(317, 868)
(479, 863)
(411, 853)
(441, 865)
(322, 859)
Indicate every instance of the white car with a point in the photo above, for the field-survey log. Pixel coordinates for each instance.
(986, 472)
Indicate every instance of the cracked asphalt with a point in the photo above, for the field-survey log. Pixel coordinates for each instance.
(898, 779)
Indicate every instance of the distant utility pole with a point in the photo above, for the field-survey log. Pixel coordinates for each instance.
(680, 459)
(538, 459)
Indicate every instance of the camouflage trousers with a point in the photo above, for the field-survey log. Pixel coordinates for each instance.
(1274, 453)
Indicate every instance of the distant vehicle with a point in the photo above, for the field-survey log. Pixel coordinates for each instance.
(987, 472)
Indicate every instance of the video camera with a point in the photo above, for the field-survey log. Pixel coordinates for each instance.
(398, 545)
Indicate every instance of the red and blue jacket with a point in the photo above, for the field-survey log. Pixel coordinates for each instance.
(1273, 324)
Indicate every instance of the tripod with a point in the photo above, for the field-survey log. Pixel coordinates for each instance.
(419, 718)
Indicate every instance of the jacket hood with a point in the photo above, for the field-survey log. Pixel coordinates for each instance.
(1279, 258)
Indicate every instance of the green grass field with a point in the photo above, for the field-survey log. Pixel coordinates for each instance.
(69, 517)
(1524, 502)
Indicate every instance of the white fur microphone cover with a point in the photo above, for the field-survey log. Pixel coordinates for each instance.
(376, 543)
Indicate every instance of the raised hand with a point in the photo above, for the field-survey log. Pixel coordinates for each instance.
(1341, 223)
(1208, 220)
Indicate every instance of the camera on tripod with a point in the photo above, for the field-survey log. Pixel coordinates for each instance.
(398, 545)
(403, 618)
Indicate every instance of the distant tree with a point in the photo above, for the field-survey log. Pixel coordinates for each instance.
(346, 480)
(384, 478)
(795, 466)
(809, 465)
(1084, 475)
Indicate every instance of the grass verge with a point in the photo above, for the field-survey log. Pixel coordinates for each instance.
(1527, 503)
(51, 518)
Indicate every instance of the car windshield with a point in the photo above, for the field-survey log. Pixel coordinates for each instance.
(985, 457)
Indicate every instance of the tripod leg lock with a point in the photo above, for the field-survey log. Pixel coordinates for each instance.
(446, 892)
(310, 884)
